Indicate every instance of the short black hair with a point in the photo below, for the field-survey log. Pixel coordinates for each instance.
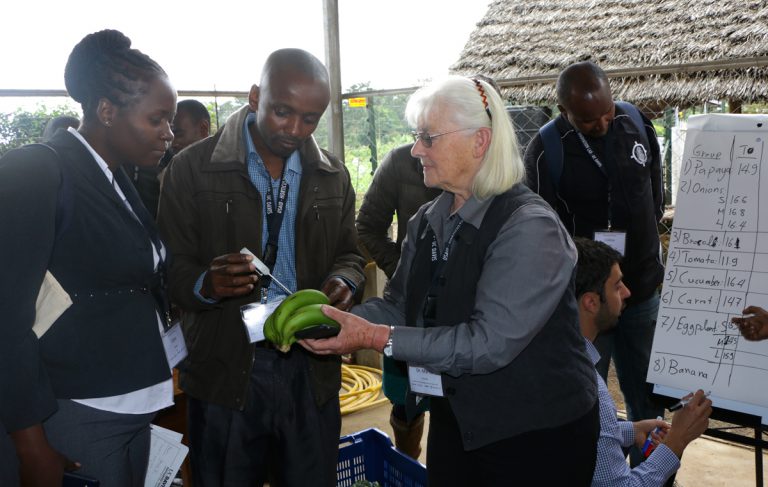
(194, 109)
(584, 75)
(103, 65)
(594, 265)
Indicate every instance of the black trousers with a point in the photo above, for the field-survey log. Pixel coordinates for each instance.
(281, 435)
(557, 457)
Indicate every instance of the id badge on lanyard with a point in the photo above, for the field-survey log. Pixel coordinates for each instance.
(425, 383)
(174, 344)
(254, 316)
(616, 240)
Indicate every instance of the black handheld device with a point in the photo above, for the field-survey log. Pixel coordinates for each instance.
(74, 479)
(317, 331)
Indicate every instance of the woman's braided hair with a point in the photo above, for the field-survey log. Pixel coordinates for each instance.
(103, 65)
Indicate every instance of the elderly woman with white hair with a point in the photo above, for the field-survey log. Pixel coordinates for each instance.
(482, 307)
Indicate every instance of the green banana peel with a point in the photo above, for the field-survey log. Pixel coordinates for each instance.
(276, 328)
(304, 317)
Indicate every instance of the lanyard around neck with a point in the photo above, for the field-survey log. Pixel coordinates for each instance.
(429, 310)
(274, 212)
(591, 153)
(438, 263)
(159, 281)
(596, 160)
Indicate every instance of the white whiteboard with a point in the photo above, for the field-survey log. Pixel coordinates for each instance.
(717, 264)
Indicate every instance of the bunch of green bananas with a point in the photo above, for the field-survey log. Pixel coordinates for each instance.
(298, 311)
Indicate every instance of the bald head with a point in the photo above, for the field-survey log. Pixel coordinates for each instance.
(578, 79)
(291, 62)
(584, 98)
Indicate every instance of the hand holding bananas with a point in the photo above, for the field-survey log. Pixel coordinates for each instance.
(229, 275)
(356, 334)
(339, 294)
(299, 312)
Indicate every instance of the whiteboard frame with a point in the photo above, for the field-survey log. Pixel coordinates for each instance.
(718, 402)
(704, 123)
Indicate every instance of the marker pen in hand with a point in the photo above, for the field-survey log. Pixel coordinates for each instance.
(684, 402)
(648, 446)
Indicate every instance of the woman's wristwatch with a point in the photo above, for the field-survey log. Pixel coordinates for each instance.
(388, 346)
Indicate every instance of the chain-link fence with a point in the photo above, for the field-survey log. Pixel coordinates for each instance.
(376, 125)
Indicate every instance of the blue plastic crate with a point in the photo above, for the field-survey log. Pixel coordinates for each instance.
(369, 455)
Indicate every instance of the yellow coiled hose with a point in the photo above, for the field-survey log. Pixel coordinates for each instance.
(360, 388)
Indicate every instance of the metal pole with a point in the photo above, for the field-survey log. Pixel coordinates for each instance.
(333, 63)
(758, 455)
(669, 120)
(372, 134)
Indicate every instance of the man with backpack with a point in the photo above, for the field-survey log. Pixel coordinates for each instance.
(599, 165)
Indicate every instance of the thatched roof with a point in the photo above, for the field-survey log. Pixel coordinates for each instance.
(715, 41)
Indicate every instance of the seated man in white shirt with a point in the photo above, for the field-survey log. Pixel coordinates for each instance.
(601, 294)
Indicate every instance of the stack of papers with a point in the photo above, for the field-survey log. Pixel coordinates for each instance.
(166, 453)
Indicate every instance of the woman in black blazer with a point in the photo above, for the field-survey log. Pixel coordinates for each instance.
(87, 389)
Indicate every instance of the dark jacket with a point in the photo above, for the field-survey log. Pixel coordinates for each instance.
(398, 189)
(146, 180)
(209, 207)
(550, 383)
(637, 196)
(108, 342)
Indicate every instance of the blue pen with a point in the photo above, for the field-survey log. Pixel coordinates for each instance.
(648, 446)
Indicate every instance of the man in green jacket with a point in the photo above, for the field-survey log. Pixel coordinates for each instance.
(261, 183)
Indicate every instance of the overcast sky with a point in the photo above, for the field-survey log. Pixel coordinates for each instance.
(223, 43)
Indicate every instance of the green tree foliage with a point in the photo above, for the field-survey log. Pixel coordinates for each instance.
(380, 128)
(25, 127)
(220, 111)
(389, 121)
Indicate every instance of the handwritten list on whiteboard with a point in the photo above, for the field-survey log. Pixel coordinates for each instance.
(717, 265)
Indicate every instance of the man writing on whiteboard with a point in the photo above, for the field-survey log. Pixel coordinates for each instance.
(753, 323)
(601, 170)
(601, 293)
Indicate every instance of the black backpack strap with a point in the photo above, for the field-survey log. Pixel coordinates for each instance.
(553, 152)
(637, 119)
(64, 198)
(553, 144)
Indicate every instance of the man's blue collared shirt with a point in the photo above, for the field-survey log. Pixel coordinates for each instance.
(285, 266)
(612, 469)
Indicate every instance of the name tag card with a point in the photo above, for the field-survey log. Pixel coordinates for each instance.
(254, 316)
(174, 344)
(424, 382)
(615, 240)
